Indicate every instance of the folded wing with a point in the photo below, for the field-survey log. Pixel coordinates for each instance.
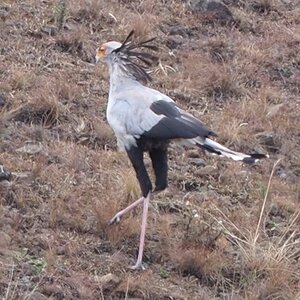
(173, 123)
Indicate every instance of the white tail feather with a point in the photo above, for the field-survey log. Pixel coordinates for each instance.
(225, 151)
(218, 149)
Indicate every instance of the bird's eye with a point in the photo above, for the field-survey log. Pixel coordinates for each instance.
(102, 51)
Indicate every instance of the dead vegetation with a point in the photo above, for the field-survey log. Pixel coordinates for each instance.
(221, 230)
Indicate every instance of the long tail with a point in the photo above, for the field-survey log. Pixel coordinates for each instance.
(220, 150)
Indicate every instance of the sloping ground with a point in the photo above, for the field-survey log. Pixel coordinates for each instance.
(209, 235)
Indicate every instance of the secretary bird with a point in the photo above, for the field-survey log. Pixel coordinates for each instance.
(145, 120)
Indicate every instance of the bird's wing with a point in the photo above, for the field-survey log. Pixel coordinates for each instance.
(154, 115)
(175, 123)
(158, 117)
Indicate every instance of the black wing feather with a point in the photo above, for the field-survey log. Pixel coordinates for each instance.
(175, 124)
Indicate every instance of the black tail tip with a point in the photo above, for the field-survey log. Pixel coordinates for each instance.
(253, 158)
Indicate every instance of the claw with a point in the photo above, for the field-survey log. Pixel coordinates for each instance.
(115, 220)
(117, 217)
(138, 266)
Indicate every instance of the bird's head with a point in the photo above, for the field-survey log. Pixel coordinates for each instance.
(129, 56)
(105, 50)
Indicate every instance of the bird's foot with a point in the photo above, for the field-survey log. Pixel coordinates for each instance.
(115, 219)
(138, 266)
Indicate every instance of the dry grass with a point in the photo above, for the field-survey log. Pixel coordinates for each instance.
(220, 231)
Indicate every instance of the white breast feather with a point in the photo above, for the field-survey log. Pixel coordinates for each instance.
(129, 114)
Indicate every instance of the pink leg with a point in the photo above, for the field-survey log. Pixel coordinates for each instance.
(139, 264)
(117, 217)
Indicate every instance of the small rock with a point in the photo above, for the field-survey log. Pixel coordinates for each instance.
(36, 296)
(51, 30)
(205, 171)
(197, 162)
(220, 11)
(35, 33)
(2, 100)
(61, 250)
(4, 239)
(31, 148)
(3, 14)
(193, 153)
(174, 41)
(270, 141)
(22, 175)
(273, 110)
(222, 242)
(109, 281)
(5, 184)
(178, 30)
(206, 5)
(4, 174)
(53, 290)
(287, 175)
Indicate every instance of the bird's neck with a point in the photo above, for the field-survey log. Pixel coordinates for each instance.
(118, 76)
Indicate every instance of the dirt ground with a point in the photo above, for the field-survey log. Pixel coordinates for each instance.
(222, 230)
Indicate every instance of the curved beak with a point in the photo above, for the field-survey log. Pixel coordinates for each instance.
(97, 59)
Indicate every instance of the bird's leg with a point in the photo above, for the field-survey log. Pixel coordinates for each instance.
(138, 264)
(117, 217)
(136, 156)
(159, 158)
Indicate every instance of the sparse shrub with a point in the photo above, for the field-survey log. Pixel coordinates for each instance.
(47, 111)
(21, 80)
(71, 42)
(220, 51)
(206, 265)
(60, 14)
(264, 6)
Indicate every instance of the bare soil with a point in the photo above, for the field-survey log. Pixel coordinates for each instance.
(222, 230)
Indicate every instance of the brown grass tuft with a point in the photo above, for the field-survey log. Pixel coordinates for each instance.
(201, 263)
(71, 42)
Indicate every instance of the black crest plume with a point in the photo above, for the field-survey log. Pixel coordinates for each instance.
(130, 50)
